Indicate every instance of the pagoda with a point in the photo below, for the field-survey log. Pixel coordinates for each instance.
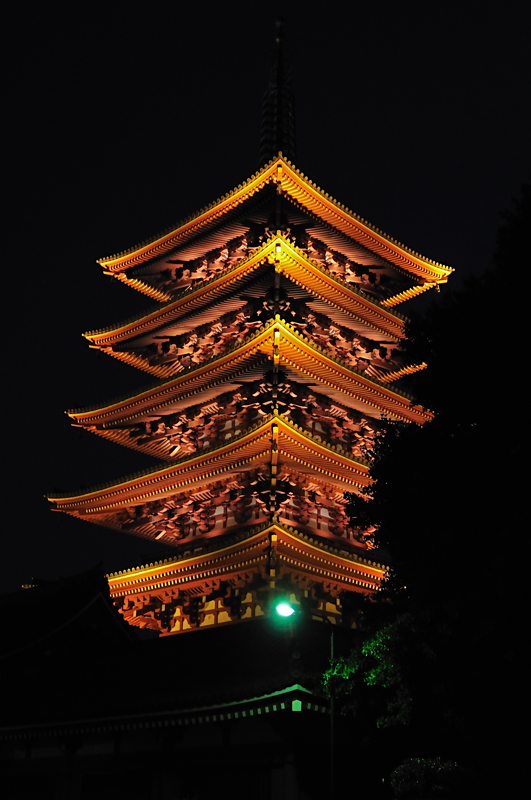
(275, 345)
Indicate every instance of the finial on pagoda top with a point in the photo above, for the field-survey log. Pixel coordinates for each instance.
(278, 110)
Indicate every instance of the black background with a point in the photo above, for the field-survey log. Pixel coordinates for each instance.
(122, 122)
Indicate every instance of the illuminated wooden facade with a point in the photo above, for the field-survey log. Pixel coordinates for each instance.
(276, 347)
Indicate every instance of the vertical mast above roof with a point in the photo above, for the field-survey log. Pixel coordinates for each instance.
(278, 110)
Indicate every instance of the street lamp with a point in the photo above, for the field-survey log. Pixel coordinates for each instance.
(285, 609)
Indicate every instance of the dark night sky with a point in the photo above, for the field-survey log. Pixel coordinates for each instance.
(122, 123)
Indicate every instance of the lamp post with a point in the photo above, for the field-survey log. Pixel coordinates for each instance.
(284, 609)
(332, 716)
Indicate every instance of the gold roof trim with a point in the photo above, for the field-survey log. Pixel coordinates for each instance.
(296, 549)
(305, 192)
(190, 380)
(240, 451)
(318, 365)
(194, 224)
(210, 566)
(234, 355)
(295, 351)
(399, 373)
(154, 398)
(407, 294)
(289, 260)
(355, 227)
(184, 303)
(292, 261)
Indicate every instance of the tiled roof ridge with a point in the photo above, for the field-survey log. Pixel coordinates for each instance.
(195, 215)
(326, 224)
(345, 284)
(163, 466)
(189, 370)
(278, 161)
(257, 332)
(356, 371)
(166, 465)
(363, 221)
(248, 533)
(161, 719)
(159, 310)
(160, 385)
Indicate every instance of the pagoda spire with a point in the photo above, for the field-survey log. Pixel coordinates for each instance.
(278, 110)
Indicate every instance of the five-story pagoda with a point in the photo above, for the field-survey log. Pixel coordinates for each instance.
(276, 348)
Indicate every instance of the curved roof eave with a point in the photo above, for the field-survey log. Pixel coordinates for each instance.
(305, 192)
(291, 261)
(250, 445)
(295, 350)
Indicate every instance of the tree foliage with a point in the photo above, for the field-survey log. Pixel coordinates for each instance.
(430, 779)
(441, 653)
(375, 664)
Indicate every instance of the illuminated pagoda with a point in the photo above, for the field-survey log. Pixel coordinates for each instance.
(275, 342)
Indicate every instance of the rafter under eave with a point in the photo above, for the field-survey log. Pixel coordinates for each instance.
(303, 191)
(294, 350)
(290, 261)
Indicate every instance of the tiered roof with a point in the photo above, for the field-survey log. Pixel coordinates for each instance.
(341, 223)
(277, 347)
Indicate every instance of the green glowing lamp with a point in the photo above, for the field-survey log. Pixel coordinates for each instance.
(284, 609)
